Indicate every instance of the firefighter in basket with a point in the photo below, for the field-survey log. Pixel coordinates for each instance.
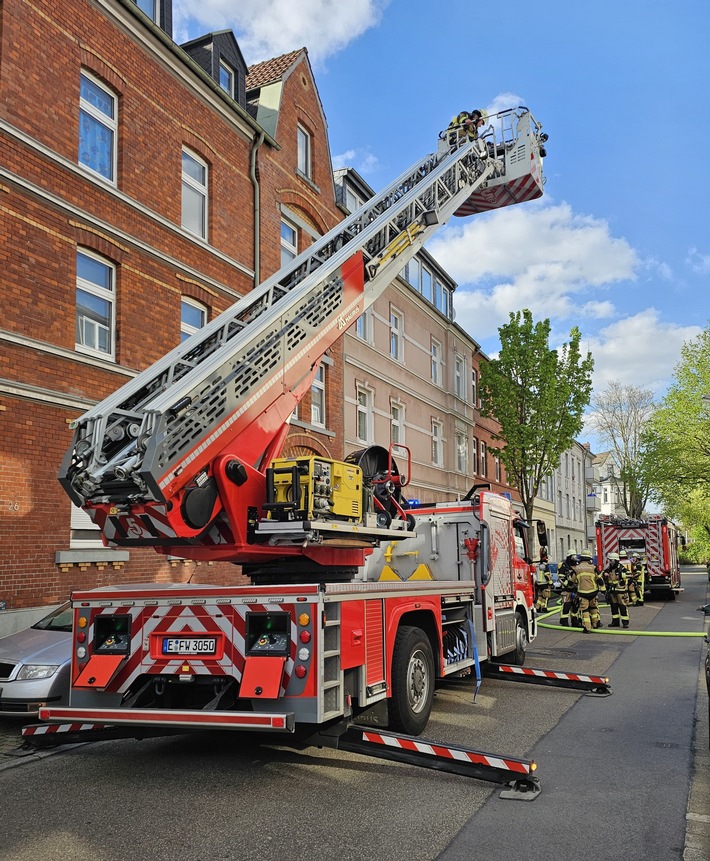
(616, 583)
(637, 580)
(464, 127)
(589, 581)
(567, 576)
(543, 582)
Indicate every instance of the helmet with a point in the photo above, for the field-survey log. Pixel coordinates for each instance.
(571, 555)
(623, 554)
(635, 555)
(585, 554)
(613, 557)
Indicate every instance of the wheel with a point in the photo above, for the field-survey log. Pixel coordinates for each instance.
(521, 642)
(412, 681)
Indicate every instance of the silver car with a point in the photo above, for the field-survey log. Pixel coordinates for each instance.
(35, 664)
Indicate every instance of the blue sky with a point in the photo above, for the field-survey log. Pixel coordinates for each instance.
(619, 245)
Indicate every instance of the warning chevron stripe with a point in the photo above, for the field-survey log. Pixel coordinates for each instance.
(553, 674)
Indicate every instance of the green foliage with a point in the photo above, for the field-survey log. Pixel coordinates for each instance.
(538, 395)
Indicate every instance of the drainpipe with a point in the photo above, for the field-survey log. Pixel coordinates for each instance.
(257, 208)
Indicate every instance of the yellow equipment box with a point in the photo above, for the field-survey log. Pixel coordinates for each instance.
(313, 488)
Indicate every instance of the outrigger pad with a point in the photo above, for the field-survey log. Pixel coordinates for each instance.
(526, 789)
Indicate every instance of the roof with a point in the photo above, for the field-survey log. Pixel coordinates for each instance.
(271, 70)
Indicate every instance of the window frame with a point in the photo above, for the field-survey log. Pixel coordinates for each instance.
(229, 71)
(155, 16)
(304, 152)
(460, 377)
(289, 251)
(461, 442)
(397, 438)
(437, 362)
(437, 443)
(396, 334)
(187, 329)
(98, 116)
(483, 465)
(318, 388)
(364, 413)
(95, 289)
(201, 189)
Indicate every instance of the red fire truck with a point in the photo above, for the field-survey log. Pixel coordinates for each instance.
(655, 538)
(358, 605)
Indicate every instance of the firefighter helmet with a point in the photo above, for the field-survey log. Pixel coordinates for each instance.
(585, 554)
(614, 557)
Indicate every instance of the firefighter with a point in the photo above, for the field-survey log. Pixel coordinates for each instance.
(465, 125)
(637, 580)
(616, 579)
(543, 582)
(567, 576)
(588, 583)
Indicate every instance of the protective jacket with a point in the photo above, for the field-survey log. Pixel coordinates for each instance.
(587, 582)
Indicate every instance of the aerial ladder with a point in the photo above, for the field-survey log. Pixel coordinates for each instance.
(180, 458)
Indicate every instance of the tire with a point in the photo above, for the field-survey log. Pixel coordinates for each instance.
(517, 657)
(413, 679)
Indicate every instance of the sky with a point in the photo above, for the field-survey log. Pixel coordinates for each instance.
(619, 244)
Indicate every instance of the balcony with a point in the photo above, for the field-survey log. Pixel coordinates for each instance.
(593, 502)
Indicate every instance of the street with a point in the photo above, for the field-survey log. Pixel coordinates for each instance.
(615, 773)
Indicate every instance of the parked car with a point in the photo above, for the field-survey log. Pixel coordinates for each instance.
(35, 663)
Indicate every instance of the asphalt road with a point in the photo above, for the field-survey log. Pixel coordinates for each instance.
(615, 775)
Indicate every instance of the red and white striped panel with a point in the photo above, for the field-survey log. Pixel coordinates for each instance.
(58, 728)
(526, 187)
(453, 753)
(551, 674)
(229, 620)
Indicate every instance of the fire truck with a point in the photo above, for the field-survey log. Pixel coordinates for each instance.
(358, 606)
(656, 538)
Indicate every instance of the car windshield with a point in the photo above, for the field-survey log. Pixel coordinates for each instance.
(57, 620)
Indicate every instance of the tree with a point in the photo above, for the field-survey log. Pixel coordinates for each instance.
(619, 418)
(538, 396)
(678, 439)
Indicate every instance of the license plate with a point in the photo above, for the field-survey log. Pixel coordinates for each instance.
(189, 645)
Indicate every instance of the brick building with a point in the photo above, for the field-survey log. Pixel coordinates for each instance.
(144, 187)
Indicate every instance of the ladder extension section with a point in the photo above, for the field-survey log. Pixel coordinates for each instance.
(236, 381)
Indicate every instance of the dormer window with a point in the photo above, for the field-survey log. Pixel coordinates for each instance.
(150, 7)
(226, 78)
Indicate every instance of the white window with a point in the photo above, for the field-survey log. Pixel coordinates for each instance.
(318, 398)
(437, 443)
(460, 377)
(98, 122)
(95, 300)
(397, 424)
(413, 274)
(474, 387)
(496, 461)
(396, 335)
(150, 7)
(474, 458)
(289, 242)
(436, 363)
(194, 194)
(427, 280)
(193, 316)
(484, 460)
(304, 152)
(226, 78)
(363, 326)
(462, 453)
(352, 200)
(364, 414)
(84, 532)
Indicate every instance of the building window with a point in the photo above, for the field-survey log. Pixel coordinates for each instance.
(363, 326)
(95, 299)
(85, 534)
(150, 7)
(364, 414)
(496, 461)
(460, 377)
(318, 398)
(304, 152)
(474, 458)
(427, 280)
(194, 194)
(396, 335)
(437, 443)
(484, 460)
(568, 512)
(474, 387)
(352, 200)
(289, 242)
(397, 425)
(226, 78)
(462, 454)
(98, 112)
(436, 363)
(412, 273)
(193, 316)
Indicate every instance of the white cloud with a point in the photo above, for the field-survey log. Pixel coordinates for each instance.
(641, 350)
(267, 28)
(698, 262)
(541, 257)
(363, 161)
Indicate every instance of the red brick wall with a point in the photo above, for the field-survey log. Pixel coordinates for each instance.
(40, 233)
